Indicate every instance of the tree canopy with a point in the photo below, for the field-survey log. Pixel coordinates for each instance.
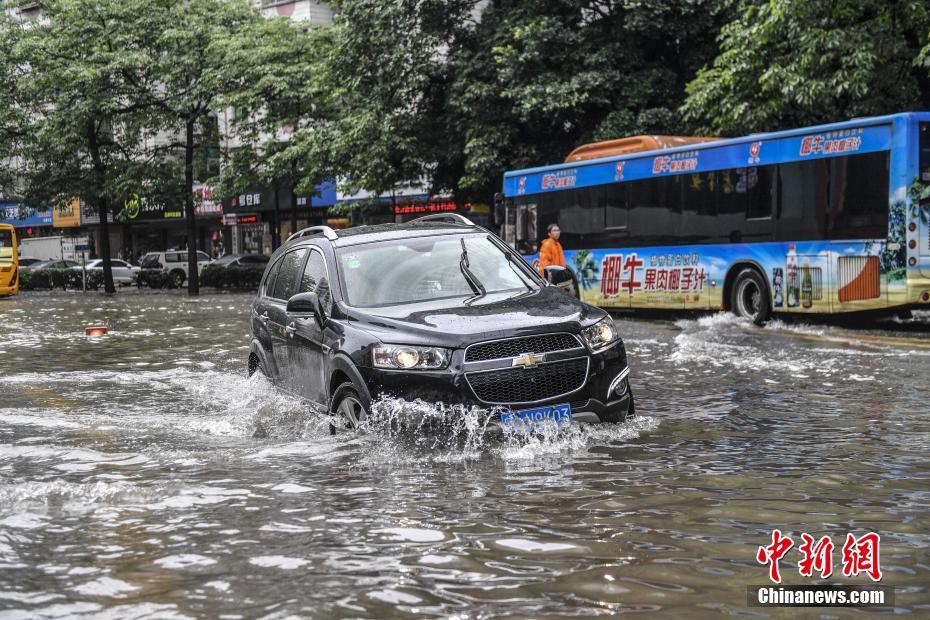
(798, 62)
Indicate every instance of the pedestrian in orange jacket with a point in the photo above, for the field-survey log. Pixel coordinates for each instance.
(550, 252)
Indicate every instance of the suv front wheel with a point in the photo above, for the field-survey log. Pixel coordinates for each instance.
(347, 404)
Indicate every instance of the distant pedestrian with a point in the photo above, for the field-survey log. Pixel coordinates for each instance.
(550, 253)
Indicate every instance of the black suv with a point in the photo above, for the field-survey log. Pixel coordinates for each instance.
(434, 309)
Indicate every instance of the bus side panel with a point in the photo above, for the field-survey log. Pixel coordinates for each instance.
(803, 277)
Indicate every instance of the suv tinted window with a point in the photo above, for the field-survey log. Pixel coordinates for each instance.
(150, 260)
(172, 257)
(268, 284)
(286, 283)
(316, 280)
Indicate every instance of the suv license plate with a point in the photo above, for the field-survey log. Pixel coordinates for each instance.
(538, 416)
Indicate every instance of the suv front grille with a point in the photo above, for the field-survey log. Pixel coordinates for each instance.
(512, 347)
(526, 385)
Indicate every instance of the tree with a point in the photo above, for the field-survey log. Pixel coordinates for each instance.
(277, 97)
(540, 77)
(185, 42)
(386, 67)
(800, 62)
(74, 125)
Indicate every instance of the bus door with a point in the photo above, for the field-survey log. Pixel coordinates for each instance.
(520, 227)
(509, 226)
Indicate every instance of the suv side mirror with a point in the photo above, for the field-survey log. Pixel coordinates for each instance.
(307, 304)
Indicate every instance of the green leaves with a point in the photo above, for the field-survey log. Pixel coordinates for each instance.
(793, 63)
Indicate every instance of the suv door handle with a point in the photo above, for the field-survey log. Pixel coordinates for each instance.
(291, 328)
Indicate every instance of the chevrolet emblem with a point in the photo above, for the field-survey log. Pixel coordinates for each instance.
(528, 360)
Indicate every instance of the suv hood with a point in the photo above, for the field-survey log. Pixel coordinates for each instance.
(455, 323)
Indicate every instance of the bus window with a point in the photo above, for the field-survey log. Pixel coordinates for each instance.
(699, 217)
(580, 213)
(615, 206)
(731, 205)
(762, 182)
(859, 196)
(802, 205)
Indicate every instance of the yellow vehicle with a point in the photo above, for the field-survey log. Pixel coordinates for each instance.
(9, 261)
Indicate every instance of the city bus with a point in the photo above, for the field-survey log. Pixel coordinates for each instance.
(9, 261)
(824, 219)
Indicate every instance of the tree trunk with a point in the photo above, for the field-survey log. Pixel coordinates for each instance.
(102, 207)
(193, 278)
(104, 234)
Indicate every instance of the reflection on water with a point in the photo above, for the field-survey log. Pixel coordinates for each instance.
(142, 475)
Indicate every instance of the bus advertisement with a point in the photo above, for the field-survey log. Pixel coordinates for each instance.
(826, 219)
(9, 261)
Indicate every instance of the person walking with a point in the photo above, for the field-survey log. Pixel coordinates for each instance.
(550, 252)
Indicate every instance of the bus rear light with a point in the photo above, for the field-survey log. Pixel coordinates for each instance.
(912, 244)
(912, 261)
(925, 296)
(912, 226)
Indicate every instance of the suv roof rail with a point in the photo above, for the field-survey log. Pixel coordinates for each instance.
(326, 231)
(454, 218)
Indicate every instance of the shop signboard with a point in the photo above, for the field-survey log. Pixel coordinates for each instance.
(90, 215)
(24, 217)
(141, 208)
(436, 205)
(264, 199)
(67, 214)
(204, 203)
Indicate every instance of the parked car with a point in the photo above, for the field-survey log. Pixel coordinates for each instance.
(240, 259)
(54, 264)
(172, 263)
(123, 272)
(436, 310)
(26, 263)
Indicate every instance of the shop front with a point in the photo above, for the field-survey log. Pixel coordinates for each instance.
(150, 225)
(258, 221)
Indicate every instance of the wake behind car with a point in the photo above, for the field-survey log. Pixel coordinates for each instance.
(433, 310)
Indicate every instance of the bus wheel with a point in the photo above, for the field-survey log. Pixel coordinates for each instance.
(749, 297)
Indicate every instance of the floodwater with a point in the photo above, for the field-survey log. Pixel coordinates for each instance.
(143, 475)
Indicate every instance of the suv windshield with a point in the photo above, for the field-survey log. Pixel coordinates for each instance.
(425, 268)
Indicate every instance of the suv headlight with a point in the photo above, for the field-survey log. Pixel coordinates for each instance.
(601, 335)
(405, 357)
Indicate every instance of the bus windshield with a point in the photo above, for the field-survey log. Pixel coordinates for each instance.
(428, 268)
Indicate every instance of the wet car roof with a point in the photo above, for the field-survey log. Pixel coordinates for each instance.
(386, 232)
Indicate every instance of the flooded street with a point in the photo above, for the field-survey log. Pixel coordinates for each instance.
(143, 475)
